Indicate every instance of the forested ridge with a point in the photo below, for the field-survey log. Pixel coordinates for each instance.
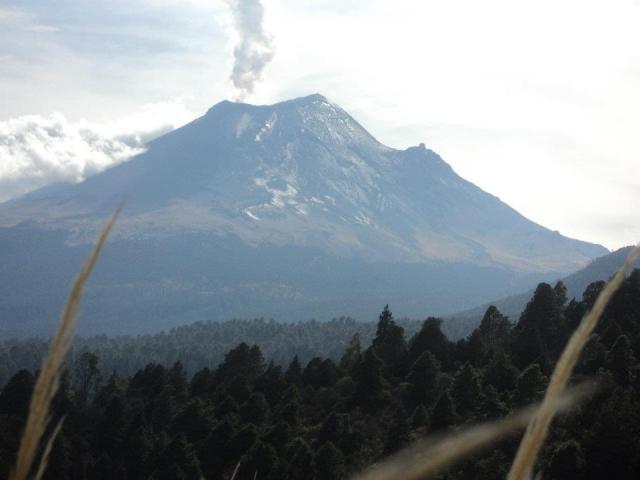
(203, 344)
(337, 414)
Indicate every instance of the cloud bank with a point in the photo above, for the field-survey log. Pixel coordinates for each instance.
(38, 150)
(254, 49)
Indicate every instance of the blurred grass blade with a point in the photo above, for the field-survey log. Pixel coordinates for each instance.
(235, 471)
(49, 377)
(428, 457)
(536, 432)
(44, 459)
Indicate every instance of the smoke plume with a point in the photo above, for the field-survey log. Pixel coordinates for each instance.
(255, 47)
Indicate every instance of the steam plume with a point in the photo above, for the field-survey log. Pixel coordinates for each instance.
(255, 48)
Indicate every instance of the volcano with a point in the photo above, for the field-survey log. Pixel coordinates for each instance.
(291, 211)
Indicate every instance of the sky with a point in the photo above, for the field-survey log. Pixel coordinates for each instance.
(536, 102)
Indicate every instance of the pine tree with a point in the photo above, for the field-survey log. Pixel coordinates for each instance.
(335, 426)
(239, 389)
(291, 413)
(112, 427)
(420, 416)
(389, 343)
(228, 406)
(242, 361)
(560, 290)
(241, 442)
(424, 377)
(620, 359)
(544, 316)
(493, 407)
(278, 436)
(181, 453)
(369, 380)
(398, 435)
(102, 468)
(138, 449)
(593, 356)
(259, 462)
(567, 461)
(530, 385)
(320, 373)
(430, 339)
(527, 348)
(467, 390)
(329, 463)
(495, 330)
(16, 394)
(302, 464)
(351, 355)
(193, 420)
(87, 376)
(293, 375)
(591, 293)
(255, 410)
(213, 452)
(444, 413)
(202, 383)
(501, 373)
(177, 379)
(164, 408)
(271, 383)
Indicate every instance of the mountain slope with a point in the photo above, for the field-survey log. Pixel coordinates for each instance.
(291, 209)
(602, 268)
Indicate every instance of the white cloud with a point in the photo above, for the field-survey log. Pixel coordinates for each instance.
(38, 150)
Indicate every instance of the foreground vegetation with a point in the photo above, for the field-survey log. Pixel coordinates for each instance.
(329, 418)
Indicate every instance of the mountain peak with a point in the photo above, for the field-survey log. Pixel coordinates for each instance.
(287, 121)
(307, 100)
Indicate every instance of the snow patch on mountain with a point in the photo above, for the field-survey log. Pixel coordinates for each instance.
(250, 214)
(267, 127)
(285, 195)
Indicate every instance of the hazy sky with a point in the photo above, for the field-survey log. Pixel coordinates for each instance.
(537, 102)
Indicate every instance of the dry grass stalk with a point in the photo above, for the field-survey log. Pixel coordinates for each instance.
(235, 471)
(44, 459)
(429, 456)
(538, 427)
(49, 377)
